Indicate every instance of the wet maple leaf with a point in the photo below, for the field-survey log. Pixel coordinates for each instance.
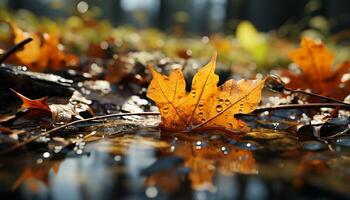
(206, 105)
(315, 61)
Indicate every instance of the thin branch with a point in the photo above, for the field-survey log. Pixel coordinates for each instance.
(316, 95)
(14, 49)
(279, 86)
(47, 133)
(304, 106)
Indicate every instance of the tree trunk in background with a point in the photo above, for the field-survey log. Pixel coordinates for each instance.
(339, 12)
(271, 14)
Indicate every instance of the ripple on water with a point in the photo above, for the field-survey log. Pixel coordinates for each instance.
(343, 141)
(314, 146)
(246, 145)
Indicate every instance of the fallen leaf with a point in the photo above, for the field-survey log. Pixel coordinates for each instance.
(59, 112)
(31, 51)
(206, 104)
(315, 61)
(252, 41)
(43, 52)
(36, 103)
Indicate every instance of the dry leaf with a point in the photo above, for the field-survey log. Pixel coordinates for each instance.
(59, 112)
(315, 61)
(31, 51)
(206, 104)
(43, 52)
(36, 103)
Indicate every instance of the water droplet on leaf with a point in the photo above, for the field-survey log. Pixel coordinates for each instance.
(200, 106)
(200, 114)
(194, 93)
(166, 110)
(221, 101)
(219, 108)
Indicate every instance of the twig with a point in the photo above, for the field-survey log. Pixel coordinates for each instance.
(275, 83)
(301, 106)
(14, 147)
(14, 49)
(316, 95)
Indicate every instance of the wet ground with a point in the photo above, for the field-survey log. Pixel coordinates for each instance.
(100, 162)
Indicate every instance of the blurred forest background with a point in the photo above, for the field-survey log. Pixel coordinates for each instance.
(203, 16)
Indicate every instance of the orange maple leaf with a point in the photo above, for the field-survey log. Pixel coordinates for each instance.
(43, 52)
(206, 105)
(315, 61)
(31, 51)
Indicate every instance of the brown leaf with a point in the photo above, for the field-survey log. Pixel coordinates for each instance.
(59, 112)
(36, 103)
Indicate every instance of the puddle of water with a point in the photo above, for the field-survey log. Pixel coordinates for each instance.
(151, 165)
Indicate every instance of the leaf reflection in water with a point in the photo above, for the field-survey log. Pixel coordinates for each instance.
(167, 162)
(39, 173)
(204, 159)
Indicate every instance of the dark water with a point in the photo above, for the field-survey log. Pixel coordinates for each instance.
(148, 164)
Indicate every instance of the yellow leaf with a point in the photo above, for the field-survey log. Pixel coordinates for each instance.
(43, 52)
(31, 51)
(252, 41)
(167, 93)
(235, 97)
(204, 86)
(206, 104)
